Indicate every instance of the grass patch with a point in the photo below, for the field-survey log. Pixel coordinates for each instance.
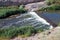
(53, 7)
(8, 11)
(24, 31)
(50, 2)
(3, 10)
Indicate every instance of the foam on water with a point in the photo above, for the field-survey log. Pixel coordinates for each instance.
(38, 18)
(30, 18)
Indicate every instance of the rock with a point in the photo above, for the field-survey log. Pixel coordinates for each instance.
(35, 6)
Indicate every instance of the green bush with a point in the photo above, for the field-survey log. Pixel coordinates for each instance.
(54, 7)
(51, 7)
(50, 2)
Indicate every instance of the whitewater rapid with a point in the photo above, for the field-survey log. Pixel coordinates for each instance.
(38, 18)
(29, 18)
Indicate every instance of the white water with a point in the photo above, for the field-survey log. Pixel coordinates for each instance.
(30, 18)
(38, 18)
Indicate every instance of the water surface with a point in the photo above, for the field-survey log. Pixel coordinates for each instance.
(30, 18)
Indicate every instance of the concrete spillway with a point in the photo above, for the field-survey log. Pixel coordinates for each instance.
(52, 18)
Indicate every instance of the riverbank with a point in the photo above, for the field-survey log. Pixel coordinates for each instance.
(53, 34)
(6, 12)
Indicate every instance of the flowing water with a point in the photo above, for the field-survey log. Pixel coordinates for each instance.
(30, 18)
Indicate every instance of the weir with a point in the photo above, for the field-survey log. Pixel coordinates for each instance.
(30, 18)
(52, 18)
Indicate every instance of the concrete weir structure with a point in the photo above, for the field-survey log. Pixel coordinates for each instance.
(52, 18)
(29, 18)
